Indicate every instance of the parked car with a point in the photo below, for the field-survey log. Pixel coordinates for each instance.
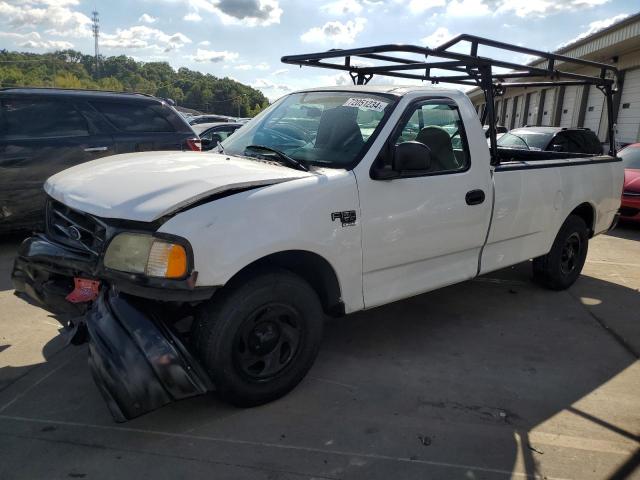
(554, 139)
(630, 209)
(500, 130)
(44, 131)
(213, 133)
(195, 120)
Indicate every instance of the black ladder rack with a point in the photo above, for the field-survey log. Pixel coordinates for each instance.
(469, 69)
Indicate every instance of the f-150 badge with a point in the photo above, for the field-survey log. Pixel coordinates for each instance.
(348, 217)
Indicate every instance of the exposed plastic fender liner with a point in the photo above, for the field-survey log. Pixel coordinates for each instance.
(138, 364)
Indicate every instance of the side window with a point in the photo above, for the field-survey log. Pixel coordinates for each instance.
(578, 143)
(559, 143)
(592, 142)
(135, 117)
(438, 125)
(221, 133)
(224, 132)
(34, 118)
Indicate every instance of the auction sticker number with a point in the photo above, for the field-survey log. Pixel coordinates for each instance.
(366, 104)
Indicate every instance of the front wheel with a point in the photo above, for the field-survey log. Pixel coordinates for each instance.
(259, 338)
(561, 267)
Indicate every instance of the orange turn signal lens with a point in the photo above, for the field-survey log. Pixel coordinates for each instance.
(168, 260)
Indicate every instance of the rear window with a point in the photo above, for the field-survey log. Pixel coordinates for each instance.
(23, 118)
(525, 139)
(138, 117)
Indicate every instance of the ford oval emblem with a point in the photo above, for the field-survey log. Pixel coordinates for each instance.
(74, 233)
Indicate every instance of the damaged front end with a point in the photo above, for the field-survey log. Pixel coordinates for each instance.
(136, 352)
(138, 363)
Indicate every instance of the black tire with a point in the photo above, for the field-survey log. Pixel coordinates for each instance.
(561, 267)
(257, 339)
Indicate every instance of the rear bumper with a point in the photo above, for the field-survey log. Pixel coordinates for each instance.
(138, 363)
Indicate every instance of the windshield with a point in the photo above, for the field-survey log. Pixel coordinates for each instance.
(526, 140)
(630, 157)
(330, 129)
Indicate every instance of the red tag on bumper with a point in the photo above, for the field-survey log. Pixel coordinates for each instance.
(85, 291)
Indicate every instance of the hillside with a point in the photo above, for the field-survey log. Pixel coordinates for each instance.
(71, 69)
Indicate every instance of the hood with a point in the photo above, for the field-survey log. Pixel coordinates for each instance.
(632, 180)
(146, 186)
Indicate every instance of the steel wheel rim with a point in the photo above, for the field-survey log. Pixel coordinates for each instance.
(570, 254)
(267, 341)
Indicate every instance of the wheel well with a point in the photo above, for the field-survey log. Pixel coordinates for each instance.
(314, 269)
(585, 211)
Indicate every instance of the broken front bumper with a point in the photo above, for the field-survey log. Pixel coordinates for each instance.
(138, 363)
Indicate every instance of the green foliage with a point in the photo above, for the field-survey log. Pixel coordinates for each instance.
(188, 88)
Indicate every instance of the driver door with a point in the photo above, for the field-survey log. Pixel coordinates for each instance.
(424, 230)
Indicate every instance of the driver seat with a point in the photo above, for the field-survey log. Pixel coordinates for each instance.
(338, 130)
(439, 141)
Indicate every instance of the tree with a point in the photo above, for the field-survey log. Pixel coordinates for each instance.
(73, 69)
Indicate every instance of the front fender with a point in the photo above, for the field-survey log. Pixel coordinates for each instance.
(231, 233)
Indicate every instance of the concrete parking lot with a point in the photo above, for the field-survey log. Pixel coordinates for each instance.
(493, 378)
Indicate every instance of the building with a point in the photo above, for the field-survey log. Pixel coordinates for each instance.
(582, 106)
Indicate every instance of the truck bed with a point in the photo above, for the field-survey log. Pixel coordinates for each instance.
(510, 155)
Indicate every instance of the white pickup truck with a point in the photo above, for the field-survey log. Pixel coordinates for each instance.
(200, 271)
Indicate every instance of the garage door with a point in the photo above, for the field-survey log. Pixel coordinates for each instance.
(532, 111)
(568, 106)
(547, 109)
(519, 109)
(507, 112)
(629, 112)
(595, 104)
(499, 119)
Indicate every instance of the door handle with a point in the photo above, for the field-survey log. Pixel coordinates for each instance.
(474, 197)
(96, 149)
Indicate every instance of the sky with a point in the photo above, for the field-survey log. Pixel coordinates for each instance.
(244, 39)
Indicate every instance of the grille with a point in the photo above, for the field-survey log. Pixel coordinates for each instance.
(75, 229)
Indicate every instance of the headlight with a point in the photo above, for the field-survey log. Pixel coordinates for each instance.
(141, 253)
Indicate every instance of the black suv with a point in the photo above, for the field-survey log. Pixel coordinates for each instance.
(44, 131)
(555, 139)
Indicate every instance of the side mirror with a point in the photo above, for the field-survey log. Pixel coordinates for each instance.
(206, 144)
(411, 156)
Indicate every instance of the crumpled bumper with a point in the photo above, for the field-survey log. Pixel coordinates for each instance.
(138, 363)
(44, 271)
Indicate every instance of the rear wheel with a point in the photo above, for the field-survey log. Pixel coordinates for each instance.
(562, 266)
(259, 338)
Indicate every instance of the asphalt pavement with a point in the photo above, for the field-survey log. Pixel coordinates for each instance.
(490, 379)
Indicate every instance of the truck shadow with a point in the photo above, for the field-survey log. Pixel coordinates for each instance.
(457, 377)
(627, 230)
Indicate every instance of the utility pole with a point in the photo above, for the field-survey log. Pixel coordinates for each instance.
(95, 27)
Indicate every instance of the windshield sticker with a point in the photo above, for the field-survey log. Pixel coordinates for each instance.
(366, 104)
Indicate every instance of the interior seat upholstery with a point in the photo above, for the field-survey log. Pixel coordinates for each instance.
(338, 130)
(439, 141)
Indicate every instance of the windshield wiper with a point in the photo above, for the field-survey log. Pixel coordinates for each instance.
(281, 155)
